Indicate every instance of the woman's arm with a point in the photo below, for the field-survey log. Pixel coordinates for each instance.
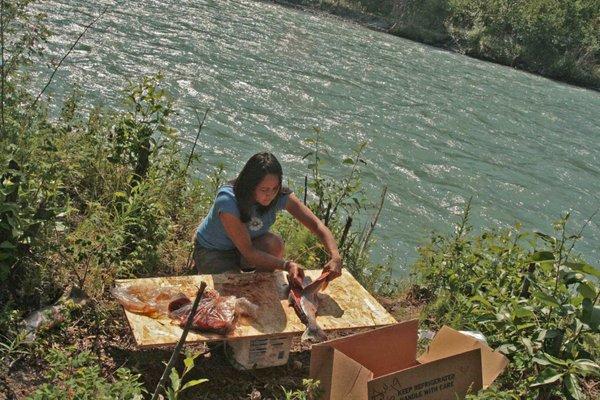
(238, 234)
(303, 214)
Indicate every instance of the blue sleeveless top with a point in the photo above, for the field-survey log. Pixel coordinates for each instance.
(211, 233)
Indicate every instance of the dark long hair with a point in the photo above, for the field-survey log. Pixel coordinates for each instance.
(257, 167)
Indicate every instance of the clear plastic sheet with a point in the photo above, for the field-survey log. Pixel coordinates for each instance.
(215, 313)
(147, 299)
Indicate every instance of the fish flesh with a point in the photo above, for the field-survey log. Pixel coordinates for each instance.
(305, 302)
(147, 299)
(215, 313)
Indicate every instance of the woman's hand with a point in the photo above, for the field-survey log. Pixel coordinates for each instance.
(296, 274)
(334, 267)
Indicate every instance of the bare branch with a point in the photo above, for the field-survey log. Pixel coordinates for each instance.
(201, 124)
(88, 26)
(188, 325)
(373, 223)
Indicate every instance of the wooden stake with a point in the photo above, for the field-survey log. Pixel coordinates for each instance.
(346, 229)
(327, 214)
(305, 187)
(197, 137)
(373, 223)
(188, 325)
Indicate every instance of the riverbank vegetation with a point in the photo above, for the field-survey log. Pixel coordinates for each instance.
(530, 295)
(556, 39)
(90, 196)
(94, 195)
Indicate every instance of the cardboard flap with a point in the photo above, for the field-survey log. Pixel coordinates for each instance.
(382, 350)
(321, 367)
(448, 342)
(446, 378)
(350, 378)
(492, 364)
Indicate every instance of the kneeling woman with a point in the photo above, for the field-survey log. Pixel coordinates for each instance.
(235, 236)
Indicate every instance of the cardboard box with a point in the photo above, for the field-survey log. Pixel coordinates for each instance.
(260, 353)
(382, 364)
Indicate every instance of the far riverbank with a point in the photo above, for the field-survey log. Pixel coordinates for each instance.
(429, 26)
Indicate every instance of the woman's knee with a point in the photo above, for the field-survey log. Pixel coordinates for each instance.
(271, 243)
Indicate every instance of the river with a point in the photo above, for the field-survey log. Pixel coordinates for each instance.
(440, 127)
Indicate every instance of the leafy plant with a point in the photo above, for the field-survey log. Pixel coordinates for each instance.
(332, 200)
(133, 138)
(331, 194)
(176, 387)
(12, 347)
(74, 375)
(310, 391)
(528, 293)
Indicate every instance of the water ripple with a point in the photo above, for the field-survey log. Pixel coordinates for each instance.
(441, 127)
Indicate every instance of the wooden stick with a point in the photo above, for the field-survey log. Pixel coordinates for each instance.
(197, 137)
(305, 187)
(327, 214)
(526, 281)
(188, 325)
(373, 223)
(188, 264)
(66, 55)
(346, 229)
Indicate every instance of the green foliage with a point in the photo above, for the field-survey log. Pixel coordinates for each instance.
(336, 202)
(12, 347)
(528, 294)
(310, 391)
(24, 34)
(332, 194)
(554, 38)
(102, 196)
(176, 387)
(73, 375)
(423, 20)
(133, 137)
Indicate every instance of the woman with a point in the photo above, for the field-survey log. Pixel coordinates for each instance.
(235, 236)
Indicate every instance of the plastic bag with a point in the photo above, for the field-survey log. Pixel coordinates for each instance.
(51, 316)
(215, 313)
(147, 299)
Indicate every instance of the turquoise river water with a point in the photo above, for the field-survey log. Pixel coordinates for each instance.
(440, 127)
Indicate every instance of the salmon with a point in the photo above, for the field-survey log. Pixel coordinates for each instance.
(215, 313)
(305, 302)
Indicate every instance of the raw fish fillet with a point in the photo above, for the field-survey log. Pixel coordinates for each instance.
(215, 313)
(305, 302)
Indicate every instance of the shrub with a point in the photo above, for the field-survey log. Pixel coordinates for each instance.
(75, 375)
(532, 298)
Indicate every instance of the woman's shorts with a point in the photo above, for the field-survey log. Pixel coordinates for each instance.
(210, 261)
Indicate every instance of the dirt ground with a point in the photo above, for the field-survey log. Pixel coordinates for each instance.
(111, 340)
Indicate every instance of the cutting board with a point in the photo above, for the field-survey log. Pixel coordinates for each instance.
(343, 304)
